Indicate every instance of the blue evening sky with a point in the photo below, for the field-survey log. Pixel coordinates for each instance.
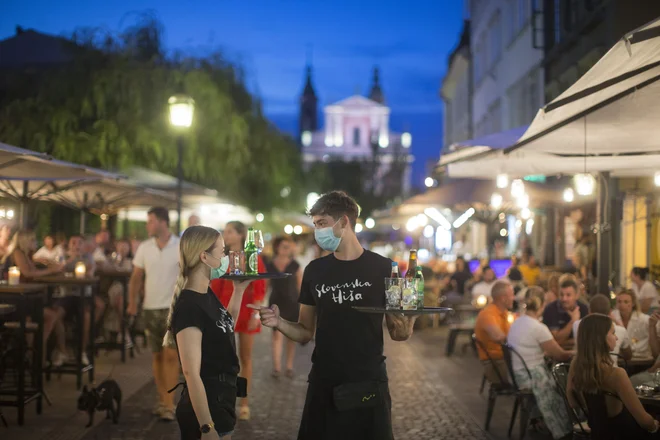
(410, 41)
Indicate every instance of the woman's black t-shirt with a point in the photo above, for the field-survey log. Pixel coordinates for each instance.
(207, 313)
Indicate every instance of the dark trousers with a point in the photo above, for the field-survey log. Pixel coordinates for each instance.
(322, 421)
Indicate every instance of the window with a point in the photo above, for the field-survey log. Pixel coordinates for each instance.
(480, 59)
(495, 31)
(509, 21)
(356, 136)
(523, 13)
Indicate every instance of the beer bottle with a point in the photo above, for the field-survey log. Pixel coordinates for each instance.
(395, 270)
(419, 277)
(412, 264)
(251, 254)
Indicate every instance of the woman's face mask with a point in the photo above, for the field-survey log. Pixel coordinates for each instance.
(220, 271)
(326, 239)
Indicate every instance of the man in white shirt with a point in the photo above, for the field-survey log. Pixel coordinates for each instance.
(155, 270)
(484, 287)
(49, 253)
(654, 344)
(601, 304)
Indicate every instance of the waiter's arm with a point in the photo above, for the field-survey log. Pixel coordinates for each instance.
(301, 331)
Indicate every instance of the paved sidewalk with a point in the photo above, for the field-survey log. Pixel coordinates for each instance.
(434, 397)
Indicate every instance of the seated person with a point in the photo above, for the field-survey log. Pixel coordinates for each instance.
(647, 295)
(532, 340)
(115, 297)
(598, 385)
(636, 323)
(48, 253)
(531, 271)
(601, 304)
(491, 330)
(484, 287)
(68, 303)
(654, 345)
(560, 315)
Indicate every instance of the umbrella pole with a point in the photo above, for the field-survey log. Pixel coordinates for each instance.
(83, 215)
(23, 207)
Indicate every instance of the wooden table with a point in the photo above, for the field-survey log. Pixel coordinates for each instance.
(78, 369)
(19, 296)
(122, 276)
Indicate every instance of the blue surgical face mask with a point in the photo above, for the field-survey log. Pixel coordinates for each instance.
(325, 237)
(219, 272)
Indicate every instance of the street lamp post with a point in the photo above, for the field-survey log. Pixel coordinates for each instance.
(182, 108)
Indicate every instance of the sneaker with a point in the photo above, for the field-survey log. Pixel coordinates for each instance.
(58, 359)
(158, 409)
(244, 413)
(85, 359)
(167, 415)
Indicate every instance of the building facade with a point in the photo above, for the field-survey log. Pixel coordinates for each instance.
(506, 66)
(456, 92)
(354, 129)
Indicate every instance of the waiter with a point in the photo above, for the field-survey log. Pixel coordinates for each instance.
(348, 395)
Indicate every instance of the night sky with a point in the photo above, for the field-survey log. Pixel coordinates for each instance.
(409, 40)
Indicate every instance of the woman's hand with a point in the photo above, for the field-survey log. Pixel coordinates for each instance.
(240, 286)
(211, 435)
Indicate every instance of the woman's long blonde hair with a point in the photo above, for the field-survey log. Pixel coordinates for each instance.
(194, 241)
(22, 240)
(593, 354)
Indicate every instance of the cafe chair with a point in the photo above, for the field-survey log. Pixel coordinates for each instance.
(581, 429)
(524, 397)
(503, 388)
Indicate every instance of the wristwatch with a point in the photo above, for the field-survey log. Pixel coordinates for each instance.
(206, 428)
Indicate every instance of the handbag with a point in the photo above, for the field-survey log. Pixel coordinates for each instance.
(356, 395)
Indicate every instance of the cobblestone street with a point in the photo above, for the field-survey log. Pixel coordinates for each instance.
(434, 397)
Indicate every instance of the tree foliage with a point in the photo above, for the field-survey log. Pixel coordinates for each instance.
(107, 107)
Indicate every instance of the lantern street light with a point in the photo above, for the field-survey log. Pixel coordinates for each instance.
(182, 108)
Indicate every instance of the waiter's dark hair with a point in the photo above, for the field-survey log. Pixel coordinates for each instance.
(336, 204)
(641, 272)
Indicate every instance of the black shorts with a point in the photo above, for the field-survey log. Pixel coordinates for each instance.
(222, 405)
(321, 421)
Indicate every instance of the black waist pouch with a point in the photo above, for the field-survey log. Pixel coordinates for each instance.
(356, 395)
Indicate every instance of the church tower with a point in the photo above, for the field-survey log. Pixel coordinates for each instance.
(308, 122)
(376, 93)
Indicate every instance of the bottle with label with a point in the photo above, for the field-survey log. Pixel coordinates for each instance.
(412, 264)
(419, 277)
(395, 270)
(251, 254)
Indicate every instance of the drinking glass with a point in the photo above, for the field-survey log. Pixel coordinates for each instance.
(236, 263)
(393, 287)
(409, 294)
(259, 240)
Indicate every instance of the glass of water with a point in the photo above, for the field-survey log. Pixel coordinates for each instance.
(393, 288)
(236, 263)
(409, 294)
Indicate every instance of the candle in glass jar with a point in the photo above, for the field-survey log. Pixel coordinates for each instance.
(14, 276)
(80, 269)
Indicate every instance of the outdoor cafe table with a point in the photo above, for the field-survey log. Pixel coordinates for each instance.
(19, 296)
(82, 283)
(121, 276)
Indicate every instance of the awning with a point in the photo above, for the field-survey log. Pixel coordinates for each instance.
(471, 148)
(611, 109)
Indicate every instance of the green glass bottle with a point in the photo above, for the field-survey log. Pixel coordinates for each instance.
(251, 254)
(419, 277)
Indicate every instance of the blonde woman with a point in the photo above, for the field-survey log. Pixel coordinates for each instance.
(532, 340)
(204, 332)
(637, 323)
(595, 382)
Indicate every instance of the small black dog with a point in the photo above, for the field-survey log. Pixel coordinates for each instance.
(105, 397)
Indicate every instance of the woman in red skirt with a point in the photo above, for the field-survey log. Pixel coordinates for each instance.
(248, 323)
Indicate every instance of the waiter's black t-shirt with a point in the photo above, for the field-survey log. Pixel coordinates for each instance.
(207, 313)
(349, 344)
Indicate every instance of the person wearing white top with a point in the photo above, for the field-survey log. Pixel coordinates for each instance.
(485, 286)
(601, 304)
(49, 253)
(646, 293)
(532, 340)
(636, 323)
(155, 269)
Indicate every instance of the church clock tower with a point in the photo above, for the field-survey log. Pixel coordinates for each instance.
(308, 122)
